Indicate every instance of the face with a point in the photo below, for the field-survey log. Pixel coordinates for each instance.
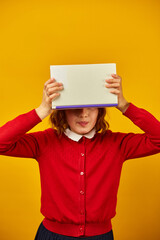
(82, 120)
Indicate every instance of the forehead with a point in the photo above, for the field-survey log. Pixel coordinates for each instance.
(80, 110)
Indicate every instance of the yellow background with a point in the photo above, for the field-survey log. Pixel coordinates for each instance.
(37, 34)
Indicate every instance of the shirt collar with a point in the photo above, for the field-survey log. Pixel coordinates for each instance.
(76, 137)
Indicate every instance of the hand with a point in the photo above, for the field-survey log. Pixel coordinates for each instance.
(116, 88)
(50, 92)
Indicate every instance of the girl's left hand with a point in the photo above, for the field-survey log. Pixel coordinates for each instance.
(115, 86)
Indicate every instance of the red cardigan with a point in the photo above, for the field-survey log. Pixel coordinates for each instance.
(79, 180)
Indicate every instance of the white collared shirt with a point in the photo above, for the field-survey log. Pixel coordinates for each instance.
(76, 137)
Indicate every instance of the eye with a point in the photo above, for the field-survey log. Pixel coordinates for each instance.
(92, 109)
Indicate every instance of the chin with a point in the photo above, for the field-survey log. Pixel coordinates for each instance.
(83, 131)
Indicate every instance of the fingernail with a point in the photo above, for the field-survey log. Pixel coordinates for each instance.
(107, 80)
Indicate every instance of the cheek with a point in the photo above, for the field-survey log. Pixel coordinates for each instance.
(95, 117)
(70, 119)
(94, 122)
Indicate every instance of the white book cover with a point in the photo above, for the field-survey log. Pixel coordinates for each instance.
(84, 85)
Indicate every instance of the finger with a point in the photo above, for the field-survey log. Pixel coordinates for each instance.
(51, 80)
(53, 96)
(113, 80)
(113, 85)
(114, 91)
(54, 90)
(114, 75)
(52, 85)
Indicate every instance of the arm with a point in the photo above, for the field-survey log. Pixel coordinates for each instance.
(14, 140)
(141, 145)
(136, 145)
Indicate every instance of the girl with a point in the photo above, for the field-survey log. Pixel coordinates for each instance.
(80, 161)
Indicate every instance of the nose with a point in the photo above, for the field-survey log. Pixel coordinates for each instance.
(83, 112)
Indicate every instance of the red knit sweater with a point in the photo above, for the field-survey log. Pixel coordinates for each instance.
(79, 180)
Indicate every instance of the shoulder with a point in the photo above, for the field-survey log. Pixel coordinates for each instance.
(44, 135)
(50, 133)
(109, 135)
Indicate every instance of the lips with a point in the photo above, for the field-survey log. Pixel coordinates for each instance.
(83, 123)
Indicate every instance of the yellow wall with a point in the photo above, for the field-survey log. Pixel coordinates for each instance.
(36, 34)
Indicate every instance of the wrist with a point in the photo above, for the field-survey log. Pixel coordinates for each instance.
(42, 112)
(123, 106)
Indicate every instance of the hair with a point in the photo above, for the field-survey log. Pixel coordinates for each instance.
(59, 122)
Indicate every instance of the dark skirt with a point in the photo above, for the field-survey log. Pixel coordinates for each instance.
(45, 234)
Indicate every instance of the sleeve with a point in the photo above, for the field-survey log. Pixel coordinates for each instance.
(143, 144)
(14, 139)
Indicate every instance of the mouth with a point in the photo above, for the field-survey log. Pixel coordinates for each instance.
(83, 123)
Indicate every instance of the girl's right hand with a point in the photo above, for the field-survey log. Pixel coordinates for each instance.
(50, 92)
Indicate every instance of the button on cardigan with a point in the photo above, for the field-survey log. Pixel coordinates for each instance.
(79, 179)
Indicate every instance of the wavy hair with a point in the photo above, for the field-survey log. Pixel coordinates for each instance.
(59, 122)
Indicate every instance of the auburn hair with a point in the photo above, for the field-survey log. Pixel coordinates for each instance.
(59, 122)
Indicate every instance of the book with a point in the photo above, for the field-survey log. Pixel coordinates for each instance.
(84, 85)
